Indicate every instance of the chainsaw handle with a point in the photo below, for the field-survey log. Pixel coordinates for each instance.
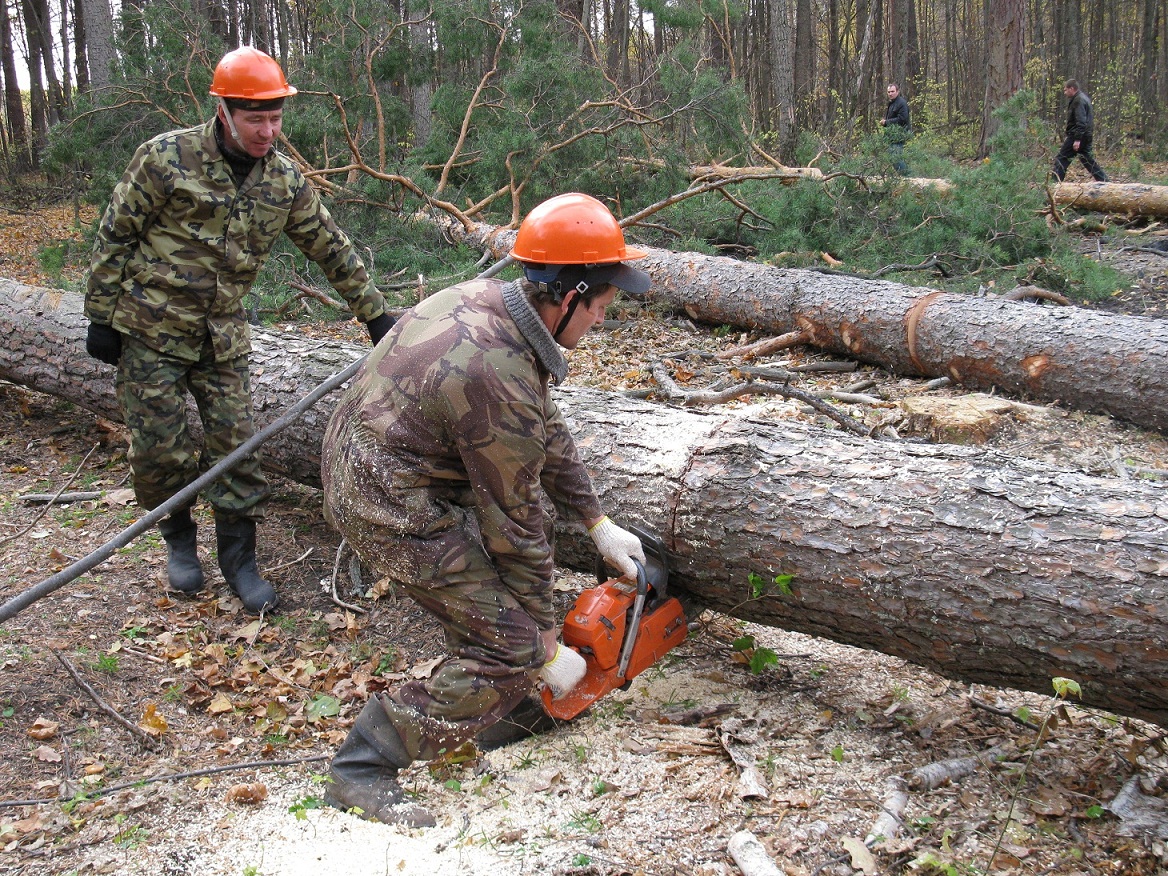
(634, 625)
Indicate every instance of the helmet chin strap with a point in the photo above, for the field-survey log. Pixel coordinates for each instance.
(571, 311)
(231, 124)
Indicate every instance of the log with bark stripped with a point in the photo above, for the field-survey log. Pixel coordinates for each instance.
(980, 567)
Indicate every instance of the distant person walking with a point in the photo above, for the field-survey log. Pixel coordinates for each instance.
(1080, 131)
(897, 127)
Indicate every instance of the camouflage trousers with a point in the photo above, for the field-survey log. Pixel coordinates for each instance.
(164, 457)
(494, 644)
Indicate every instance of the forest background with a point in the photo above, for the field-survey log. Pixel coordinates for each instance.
(481, 109)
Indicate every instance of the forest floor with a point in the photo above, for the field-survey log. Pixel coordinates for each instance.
(144, 734)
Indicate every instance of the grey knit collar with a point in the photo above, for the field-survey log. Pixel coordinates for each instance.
(536, 333)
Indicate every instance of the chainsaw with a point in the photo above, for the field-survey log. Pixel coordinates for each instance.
(620, 629)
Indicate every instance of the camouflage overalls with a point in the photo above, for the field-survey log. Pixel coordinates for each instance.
(177, 250)
(434, 465)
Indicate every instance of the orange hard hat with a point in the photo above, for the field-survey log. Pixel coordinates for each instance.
(249, 74)
(571, 229)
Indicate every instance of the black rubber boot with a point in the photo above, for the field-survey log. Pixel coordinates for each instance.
(524, 721)
(363, 774)
(237, 561)
(184, 572)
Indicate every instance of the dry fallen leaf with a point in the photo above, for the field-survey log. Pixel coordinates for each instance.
(545, 780)
(47, 753)
(43, 729)
(249, 793)
(118, 497)
(152, 722)
(861, 856)
(426, 669)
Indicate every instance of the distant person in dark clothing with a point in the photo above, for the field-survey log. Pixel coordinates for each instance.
(1080, 131)
(897, 127)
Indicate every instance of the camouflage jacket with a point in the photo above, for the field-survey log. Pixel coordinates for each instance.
(453, 410)
(180, 245)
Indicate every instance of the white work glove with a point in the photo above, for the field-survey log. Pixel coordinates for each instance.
(619, 546)
(564, 671)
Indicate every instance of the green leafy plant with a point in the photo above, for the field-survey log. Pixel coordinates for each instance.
(1063, 688)
(302, 806)
(760, 587)
(107, 663)
(585, 822)
(761, 657)
(131, 837)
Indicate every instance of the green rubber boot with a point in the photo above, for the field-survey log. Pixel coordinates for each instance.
(363, 773)
(184, 572)
(237, 560)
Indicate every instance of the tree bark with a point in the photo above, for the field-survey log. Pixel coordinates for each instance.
(982, 568)
(1082, 359)
(18, 138)
(99, 42)
(1123, 199)
(1004, 62)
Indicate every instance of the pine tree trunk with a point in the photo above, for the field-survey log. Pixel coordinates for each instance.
(980, 567)
(1083, 359)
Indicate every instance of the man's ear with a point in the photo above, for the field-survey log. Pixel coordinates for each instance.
(566, 301)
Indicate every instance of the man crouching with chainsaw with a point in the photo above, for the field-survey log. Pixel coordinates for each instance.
(434, 465)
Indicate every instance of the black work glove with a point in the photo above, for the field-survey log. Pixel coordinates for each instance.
(378, 326)
(104, 343)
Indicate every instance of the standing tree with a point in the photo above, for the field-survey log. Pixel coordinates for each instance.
(1003, 62)
(18, 152)
(99, 47)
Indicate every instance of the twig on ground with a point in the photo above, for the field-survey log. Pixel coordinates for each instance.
(1149, 249)
(299, 559)
(60, 498)
(49, 504)
(764, 347)
(710, 397)
(336, 570)
(173, 777)
(934, 775)
(132, 728)
(1006, 713)
(1022, 293)
(930, 262)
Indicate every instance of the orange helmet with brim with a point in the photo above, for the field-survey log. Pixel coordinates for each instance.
(249, 74)
(577, 229)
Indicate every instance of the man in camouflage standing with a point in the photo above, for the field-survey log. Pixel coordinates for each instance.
(434, 465)
(187, 230)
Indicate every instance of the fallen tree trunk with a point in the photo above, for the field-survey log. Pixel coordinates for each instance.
(1083, 359)
(979, 567)
(1133, 200)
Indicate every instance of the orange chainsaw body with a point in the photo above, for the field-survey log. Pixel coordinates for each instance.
(600, 626)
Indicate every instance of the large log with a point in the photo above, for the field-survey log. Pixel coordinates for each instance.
(1084, 359)
(982, 568)
(1133, 200)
